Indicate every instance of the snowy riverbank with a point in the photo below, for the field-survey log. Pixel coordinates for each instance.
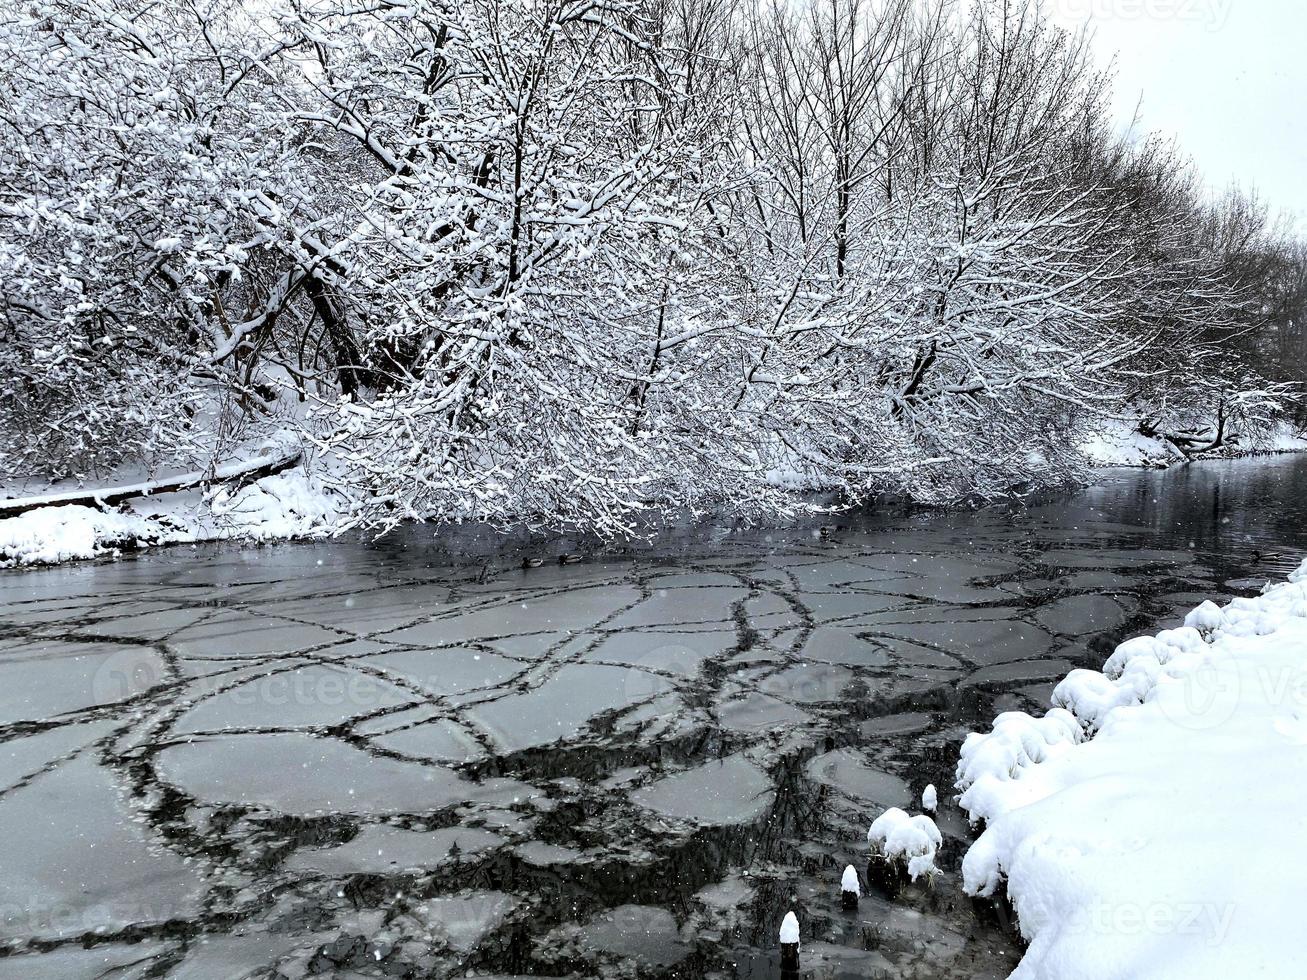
(1154, 823)
(1115, 442)
(299, 502)
(285, 505)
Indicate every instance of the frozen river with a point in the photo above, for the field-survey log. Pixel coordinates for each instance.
(350, 759)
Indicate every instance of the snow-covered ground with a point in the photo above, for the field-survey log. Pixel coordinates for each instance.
(1115, 442)
(290, 504)
(1154, 822)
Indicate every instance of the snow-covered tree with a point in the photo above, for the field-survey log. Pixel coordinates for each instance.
(579, 262)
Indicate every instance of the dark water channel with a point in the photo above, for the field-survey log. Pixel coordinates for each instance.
(355, 759)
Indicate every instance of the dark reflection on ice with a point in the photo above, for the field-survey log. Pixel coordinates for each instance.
(409, 759)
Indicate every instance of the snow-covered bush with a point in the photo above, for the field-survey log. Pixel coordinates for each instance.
(912, 841)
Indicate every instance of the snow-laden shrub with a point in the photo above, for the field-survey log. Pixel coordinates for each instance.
(912, 840)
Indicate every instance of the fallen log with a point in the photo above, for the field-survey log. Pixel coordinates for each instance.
(245, 472)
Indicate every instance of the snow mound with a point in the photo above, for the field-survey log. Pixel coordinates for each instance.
(898, 836)
(286, 505)
(1130, 674)
(49, 535)
(1153, 821)
(1117, 443)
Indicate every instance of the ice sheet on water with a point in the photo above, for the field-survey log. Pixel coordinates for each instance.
(300, 774)
(905, 723)
(57, 678)
(828, 961)
(562, 705)
(528, 646)
(758, 712)
(809, 683)
(678, 652)
(732, 893)
(575, 609)
(440, 740)
(23, 757)
(304, 695)
(933, 612)
(836, 574)
(824, 607)
(848, 772)
(549, 627)
(450, 671)
(914, 655)
(154, 625)
(1081, 614)
(241, 633)
(1018, 672)
(120, 877)
(730, 791)
(382, 849)
(1111, 558)
(368, 611)
(981, 643)
(683, 608)
(462, 921)
(838, 647)
(645, 933)
(544, 855)
(693, 580)
(104, 962)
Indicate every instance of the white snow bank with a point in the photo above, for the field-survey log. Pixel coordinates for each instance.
(1286, 439)
(287, 505)
(50, 535)
(1154, 822)
(1115, 442)
(278, 448)
(899, 836)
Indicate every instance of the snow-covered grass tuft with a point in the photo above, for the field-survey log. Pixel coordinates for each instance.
(899, 837)
(929, 799)
(789, 929)
(849, 880)
(1205, 618)
(1153, 822)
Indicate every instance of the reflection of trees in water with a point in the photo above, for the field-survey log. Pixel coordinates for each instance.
(1231, 510)
(796, 815)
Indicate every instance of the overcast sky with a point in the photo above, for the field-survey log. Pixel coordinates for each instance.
(1227, 77)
